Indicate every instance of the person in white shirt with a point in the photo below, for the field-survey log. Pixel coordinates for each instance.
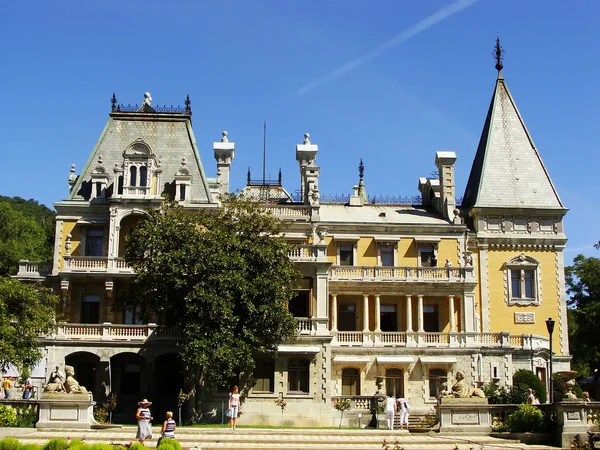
(403, 408)
(390, 411)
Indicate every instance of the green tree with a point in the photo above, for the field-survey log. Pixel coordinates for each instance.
(223, 275)
(26, 310)
(583, 287)
(26, 232)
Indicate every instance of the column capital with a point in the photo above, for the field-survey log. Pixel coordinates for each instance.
(376, 295)
(366, 295)
(334, 295)
(420, 295)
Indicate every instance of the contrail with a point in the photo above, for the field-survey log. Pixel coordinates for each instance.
(423, 25)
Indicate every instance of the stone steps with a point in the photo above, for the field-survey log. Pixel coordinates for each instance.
(288, 439)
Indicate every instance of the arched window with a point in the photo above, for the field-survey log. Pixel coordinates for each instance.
(350, 381)
(143, 176)
(298, 377)
(394, 382)
(132, 176)
(436, 378)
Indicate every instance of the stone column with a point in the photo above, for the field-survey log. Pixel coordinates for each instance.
(409, 313)
(334, 312)
(377, 313)
(451, 312)
(420, 328)
(365, 313)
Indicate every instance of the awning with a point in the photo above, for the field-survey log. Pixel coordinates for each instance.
(396, 359)
(298, 349)
(438, 359)
(351, 359)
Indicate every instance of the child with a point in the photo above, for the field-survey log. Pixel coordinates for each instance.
(168, 428)
(234, 406)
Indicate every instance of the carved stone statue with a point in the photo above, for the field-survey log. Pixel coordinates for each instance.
(55, 382)
(462, 390)
(71, 384)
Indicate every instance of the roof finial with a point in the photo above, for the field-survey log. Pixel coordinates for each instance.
(279, 177)
(306, 138)
(188, 108)
(248, 181)
(224, 138)
(113, 102)
(361, 169)
(498, 56)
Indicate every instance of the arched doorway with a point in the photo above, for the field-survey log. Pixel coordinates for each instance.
(169, 381)
(394, 382)
(128, 382)
(88, 371)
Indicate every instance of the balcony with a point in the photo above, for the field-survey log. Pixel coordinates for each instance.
(407, 273)
(95, 264)
(29, 270)
(437, 340)
(113, 332)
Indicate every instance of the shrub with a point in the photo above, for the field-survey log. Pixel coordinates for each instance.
(56, 444)
(77, 444)
(527, 418)
(26, 416)
(30, 447)
(8, 416)
(169, 444)
(137, 446)
(524, 379)
(10, 444)
(100, 447)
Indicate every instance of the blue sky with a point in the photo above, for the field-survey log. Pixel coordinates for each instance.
(391, 81)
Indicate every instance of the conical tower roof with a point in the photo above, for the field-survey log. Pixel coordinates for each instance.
(508, 171)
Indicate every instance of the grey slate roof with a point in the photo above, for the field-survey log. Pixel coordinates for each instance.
(508, 171)
(170, 137)
(380, 214)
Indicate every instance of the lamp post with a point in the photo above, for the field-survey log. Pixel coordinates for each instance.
(550, 328)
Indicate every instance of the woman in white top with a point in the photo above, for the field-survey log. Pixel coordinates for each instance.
(234, 406)
(403, 407)
(390, 410)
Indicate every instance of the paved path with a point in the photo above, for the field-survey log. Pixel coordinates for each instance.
(285, 438)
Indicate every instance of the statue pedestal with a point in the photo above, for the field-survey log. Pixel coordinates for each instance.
(73, 411)
(572, 420)
(465, 415)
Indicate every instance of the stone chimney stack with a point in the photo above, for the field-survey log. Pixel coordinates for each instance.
(445, 164)
(306, 155)
(224, 154)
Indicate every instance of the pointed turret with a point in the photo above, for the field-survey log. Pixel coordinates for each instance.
(508, 171)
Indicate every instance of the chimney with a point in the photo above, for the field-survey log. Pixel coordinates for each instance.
(445, 164)
(224, 154)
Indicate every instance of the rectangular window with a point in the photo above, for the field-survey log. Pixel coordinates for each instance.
(94, 241)
(130, 379)
(298, 376)
(143, 176)
(299, 306)
(90, 308)
(430, 319)
(427, 257)
(387, 256)
(436, 378)
(347, 317)
(346, 255)
(264, 374)
(182, 192)
(389, 318)
(515, 283)
(528, 281)
(350, 381)
(132, 315)
(98, 189)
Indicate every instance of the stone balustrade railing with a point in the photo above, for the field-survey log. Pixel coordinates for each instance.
(30, 269)
(102, 264)
(438, 340)
(404, 273)
(114, 332)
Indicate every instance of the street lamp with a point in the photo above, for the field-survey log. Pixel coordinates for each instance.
(550, 328)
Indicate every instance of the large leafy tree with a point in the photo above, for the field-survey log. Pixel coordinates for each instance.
(583, 287)
(26, 310)
(26, 232)
(223, 275)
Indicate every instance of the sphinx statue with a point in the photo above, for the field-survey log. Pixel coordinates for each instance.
(71, 384)
(461, 389)
(66, 385)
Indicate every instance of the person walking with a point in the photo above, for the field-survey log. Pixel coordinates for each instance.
(168, 428)
(27, 389)
(390, 411)
(531, 400)
(403, 408)
(6, 385)
(144, 418)
(234, 406)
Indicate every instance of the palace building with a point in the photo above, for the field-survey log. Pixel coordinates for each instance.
(397, 295)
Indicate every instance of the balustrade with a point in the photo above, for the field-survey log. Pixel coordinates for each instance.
(400, 273)
(114, 332)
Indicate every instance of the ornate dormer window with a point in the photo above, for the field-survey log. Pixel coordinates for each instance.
(140, 172)
(99, 181)
(523, 281)
(183, 182)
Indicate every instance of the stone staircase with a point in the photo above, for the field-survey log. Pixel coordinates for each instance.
(285, 438)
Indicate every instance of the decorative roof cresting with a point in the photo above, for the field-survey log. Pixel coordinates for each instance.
(498, 56)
